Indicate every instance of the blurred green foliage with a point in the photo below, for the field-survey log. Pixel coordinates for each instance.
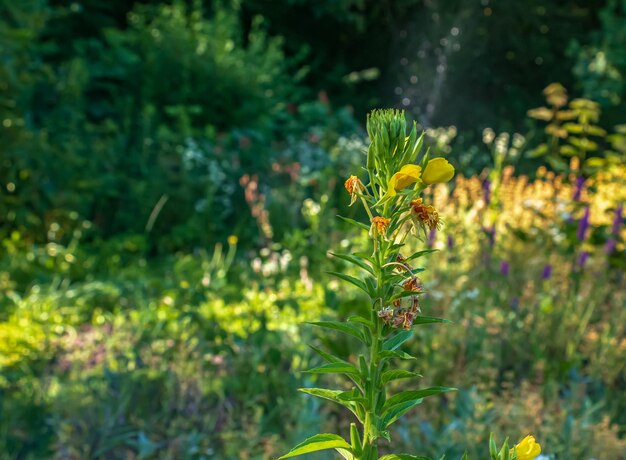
(137, 136)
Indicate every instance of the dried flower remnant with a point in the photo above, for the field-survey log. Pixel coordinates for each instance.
(379, 226)
(412, 284)
(354, 186)
(424, 215)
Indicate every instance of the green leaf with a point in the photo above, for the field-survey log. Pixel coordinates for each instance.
(505, 451)
(355, 439)
(538, 151)
(387, 354)
(351, 279)
(397, 411)
(361, 320)
(429, 320)
(402, 457)
(397, 340)
(319, 442)
(493, 449)
(420, 254)
(365, 256)
(346, 328)
(396, 374)
(353, 396)
(345, 454)
(334, 368)
(396, 247)
(330, 395)
(355, 223)
(355, 260)
(327, 356)
(412, 395)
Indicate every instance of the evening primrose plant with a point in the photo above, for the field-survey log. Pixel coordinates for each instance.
(392, 198)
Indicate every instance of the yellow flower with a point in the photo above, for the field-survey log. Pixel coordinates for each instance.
(408, 174)
(437, 171)
(232, 240)
(527, 449)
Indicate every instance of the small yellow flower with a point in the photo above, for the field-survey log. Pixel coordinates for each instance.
(437, 171)
(232, 240)
(408, 174)
(380, 225)
(527, 449)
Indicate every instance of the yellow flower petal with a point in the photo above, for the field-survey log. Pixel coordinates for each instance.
(527, 449)
(437, 171)
(408, 174)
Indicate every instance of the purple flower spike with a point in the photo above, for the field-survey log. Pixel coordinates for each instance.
(504, 268)
(617, 220)
(582, 259)
(431, 238)
(583, 226)
(580, 182)
(487, 191)
(547, 272)
(450, 242)
(610, 246)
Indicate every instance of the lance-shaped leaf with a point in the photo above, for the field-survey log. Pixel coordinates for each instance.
(355, 223)
(493, 450)
(397, 411)
(346, 328)
(396, 374)
(345, 454)
(327, 356)
(402, 457)
(429, 320)
(352, 280)
(388, 354)
(355, 261)
(319, 442)
(419, 254)
(413, 395)
(361, 320)
(397, 340)
(334, 368)
(331, 395)
(352, 396)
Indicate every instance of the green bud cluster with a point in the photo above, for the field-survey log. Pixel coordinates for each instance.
(390, 147)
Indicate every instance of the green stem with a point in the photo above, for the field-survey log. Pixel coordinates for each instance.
(370, 450)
